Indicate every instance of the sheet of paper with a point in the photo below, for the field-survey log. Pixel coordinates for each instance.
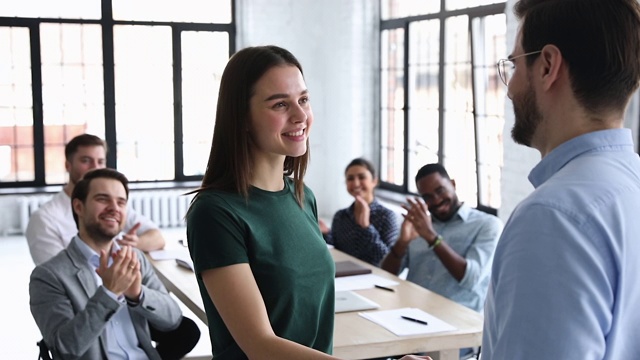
(392, 320)
(359, 282)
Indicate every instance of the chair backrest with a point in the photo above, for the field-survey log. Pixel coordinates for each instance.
(44, 353)
(488, 209)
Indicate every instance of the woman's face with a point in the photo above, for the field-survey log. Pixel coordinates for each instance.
(281, 115)
(360, 182)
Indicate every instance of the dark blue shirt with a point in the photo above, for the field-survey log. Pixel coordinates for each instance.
(368, 244)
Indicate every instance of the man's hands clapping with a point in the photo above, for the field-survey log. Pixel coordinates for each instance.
(123, 277)
(131, 237)
(419, 217)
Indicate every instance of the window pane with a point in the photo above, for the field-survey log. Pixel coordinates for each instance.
(16, 106)
(393, 9)
(392, 113)
(424, 95)
(144, 102)
(204, 56)
(197, 11)
(69, 9)
(459, 154)
(462, 4)
(489, 46)
(72, 90)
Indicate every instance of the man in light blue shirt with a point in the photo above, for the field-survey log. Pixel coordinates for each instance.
(446, 245)
(564, 283)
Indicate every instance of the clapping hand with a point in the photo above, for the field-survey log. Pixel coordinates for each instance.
(420, 217)
(361, 211)
(123, 276)
(131, 237)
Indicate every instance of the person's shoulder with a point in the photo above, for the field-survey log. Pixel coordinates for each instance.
(484, 217)
(211, 200)
(54, 206)
(56, 265)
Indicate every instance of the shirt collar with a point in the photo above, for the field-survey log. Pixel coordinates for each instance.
(90, 255)
(565, 152)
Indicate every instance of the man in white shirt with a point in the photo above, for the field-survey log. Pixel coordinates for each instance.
(51, 227)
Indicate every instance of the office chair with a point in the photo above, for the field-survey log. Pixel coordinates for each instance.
(44, 353)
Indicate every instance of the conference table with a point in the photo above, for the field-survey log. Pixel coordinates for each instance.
(354, 336)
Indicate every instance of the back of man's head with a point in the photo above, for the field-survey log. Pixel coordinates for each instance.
(82, 188)
(82, 140)
(599, 41)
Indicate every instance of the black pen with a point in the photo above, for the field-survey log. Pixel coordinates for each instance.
(414, 320)
(384, 288)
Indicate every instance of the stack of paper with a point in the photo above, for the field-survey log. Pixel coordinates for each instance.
(393, 321)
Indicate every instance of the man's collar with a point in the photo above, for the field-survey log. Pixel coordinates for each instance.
(90, 254)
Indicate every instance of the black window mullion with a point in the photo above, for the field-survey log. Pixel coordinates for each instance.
(474, 111)
(109, 84)
(36, 90)
(442, 91)
(406, 110)
(177, 103)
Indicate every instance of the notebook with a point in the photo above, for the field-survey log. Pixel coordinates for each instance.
(350, 301)
(349, 268)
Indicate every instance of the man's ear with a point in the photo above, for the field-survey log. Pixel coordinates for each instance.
(78, 206)
(67, 165)
(552, 62)
(453, 182)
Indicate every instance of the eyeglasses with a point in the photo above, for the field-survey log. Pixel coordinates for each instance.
(506, 66)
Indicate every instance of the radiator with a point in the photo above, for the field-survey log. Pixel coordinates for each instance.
(166, 208)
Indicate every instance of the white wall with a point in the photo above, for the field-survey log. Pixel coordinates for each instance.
(336, 42)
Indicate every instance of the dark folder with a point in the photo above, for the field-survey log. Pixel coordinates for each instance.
(348, 268)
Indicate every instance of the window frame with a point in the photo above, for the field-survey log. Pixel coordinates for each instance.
(404, 24)
(107, 24)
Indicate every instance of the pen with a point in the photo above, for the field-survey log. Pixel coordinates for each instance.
(384, 288)
(414, 320)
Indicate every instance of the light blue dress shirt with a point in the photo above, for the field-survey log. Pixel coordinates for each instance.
(472, 234)
(566, 276)
(122, 341)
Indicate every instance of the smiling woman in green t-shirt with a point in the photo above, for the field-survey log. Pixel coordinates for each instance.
(265, 274)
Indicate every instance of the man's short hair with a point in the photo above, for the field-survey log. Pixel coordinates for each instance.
(82, 140)
(599, 41)
(430, 169)
(81, 190)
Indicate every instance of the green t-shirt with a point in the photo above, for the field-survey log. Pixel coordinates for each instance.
(288, 257)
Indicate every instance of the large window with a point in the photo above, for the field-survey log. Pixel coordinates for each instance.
(441, 99)
(141, 74)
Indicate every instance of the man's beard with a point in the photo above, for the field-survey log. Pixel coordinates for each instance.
(454, 205)
(100, 234)
(528, 117)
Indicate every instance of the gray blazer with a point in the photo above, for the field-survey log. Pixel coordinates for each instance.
(72, 312)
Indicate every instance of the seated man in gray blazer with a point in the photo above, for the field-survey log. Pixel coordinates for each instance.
(96, 299)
